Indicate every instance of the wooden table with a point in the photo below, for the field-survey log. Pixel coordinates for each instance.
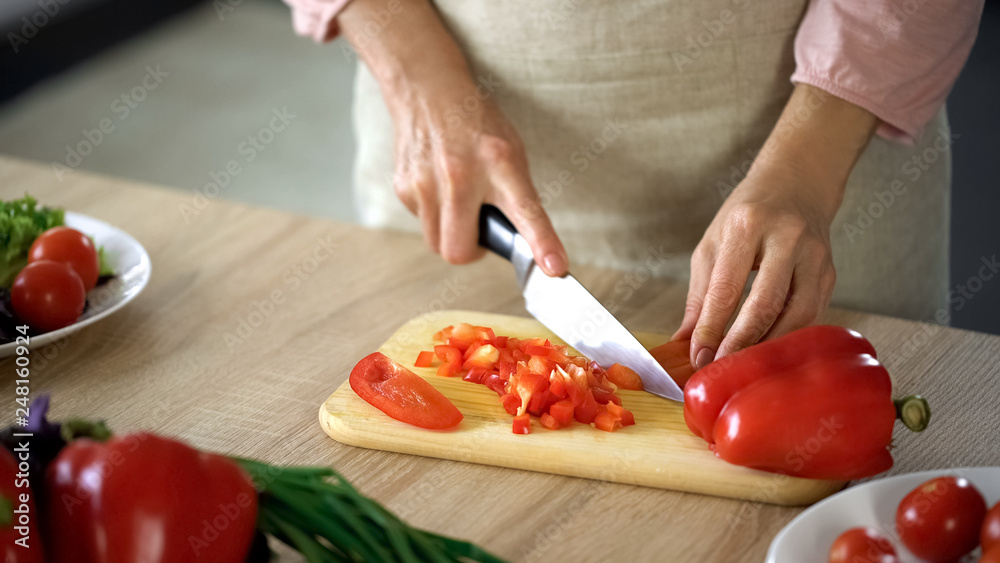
(190, 358)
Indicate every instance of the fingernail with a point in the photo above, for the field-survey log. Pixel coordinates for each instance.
(705, 357)
(555, 264)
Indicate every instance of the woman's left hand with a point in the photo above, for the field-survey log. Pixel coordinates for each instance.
(770, 223)
(776, 221)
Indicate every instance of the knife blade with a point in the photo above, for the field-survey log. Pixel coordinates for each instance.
(570, 311)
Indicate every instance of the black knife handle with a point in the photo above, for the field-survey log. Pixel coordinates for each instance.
(496, 233)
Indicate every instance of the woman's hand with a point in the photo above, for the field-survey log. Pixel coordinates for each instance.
(455, 150)
(776, 221)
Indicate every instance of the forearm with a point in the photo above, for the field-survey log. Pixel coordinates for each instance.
(411, 54)
(818, 139)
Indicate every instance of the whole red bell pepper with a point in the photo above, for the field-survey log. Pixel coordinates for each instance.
(140, 497)
(21, 542)
(814, 403)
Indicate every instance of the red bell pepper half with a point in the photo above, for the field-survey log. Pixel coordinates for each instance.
(814, 403)
(141, 497)
(402, 394)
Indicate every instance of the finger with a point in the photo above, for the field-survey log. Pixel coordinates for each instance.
(764, 304)
(701, 272)
(425, 194)
(729, 276)
(459, 204)
(403, 185)
(519, 200)
(806, 298)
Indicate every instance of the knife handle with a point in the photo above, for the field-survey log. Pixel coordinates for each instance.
(496, 233)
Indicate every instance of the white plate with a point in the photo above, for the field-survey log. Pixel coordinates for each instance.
(127, 258)
(809, 536)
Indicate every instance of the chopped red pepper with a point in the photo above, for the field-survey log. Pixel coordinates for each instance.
(522, 424)
(424, 360)
(533, 376)
(606, 421)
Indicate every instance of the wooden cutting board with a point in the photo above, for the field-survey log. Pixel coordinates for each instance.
(659, 451)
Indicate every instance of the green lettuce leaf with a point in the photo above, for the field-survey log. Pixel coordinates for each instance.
(21, 221)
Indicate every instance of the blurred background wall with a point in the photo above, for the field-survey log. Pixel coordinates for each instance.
(189, 85)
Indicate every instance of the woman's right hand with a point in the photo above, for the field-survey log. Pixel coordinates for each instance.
(454, 149)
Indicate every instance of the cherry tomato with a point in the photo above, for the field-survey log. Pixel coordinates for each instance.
(63, 244)
(48, 295)
(989, 536)
(940, 520)
(862, 545)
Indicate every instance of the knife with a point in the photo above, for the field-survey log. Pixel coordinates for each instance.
(569, 310)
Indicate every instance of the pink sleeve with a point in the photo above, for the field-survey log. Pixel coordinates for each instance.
(315, 18)
(896, 58)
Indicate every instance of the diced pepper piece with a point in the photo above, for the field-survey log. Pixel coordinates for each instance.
(485, 333)
(485, 357)
(624, 378)
(606, 421)
(449, 369)
(462, 336)
(549, 422)
(522, 424)
(511, 403)
(586, 411)
(605, 396)
(537, 351)
(621, 413)
(540, 365)
(562, 411)
(424, 359)
(475, 375)
(495, 382)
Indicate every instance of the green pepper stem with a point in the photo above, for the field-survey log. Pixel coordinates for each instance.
(914, 411)
(73, 428)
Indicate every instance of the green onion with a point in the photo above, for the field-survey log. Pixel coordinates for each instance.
(317, 512)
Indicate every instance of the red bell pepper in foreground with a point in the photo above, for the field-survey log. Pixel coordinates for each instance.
(141, 497)
(814, 403)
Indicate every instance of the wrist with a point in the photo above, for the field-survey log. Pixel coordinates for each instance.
(412, 56)
(814, 146)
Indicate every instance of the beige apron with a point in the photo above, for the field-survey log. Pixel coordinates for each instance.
(639, 118)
